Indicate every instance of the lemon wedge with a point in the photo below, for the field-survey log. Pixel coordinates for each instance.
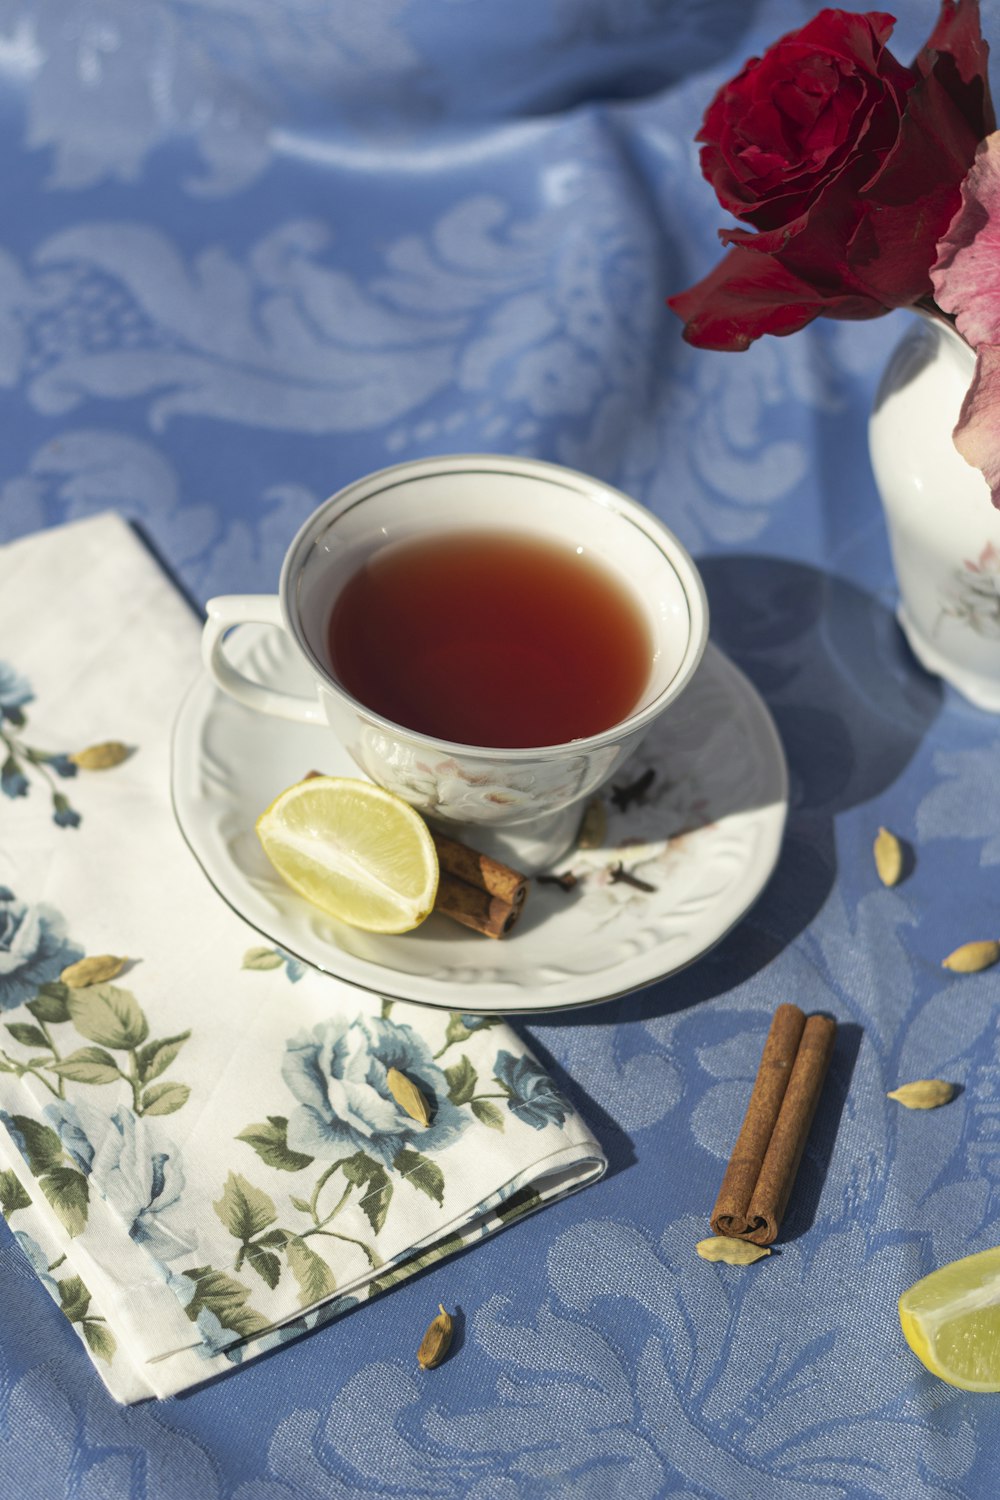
(951, 1321)
(354, 850)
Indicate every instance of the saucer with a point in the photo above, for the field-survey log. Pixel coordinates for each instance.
(693, 829)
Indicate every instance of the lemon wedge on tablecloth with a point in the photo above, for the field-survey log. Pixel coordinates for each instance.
(353, 849)
(951, 1321)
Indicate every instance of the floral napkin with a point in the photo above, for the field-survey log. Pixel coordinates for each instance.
(200, 1153)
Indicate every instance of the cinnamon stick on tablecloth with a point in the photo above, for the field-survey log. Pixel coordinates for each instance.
(761, 1171)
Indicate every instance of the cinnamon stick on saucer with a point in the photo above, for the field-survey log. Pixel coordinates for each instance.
(474, 907)
(480, 892)
(765, 1159)
(480, 870)
(474, 889)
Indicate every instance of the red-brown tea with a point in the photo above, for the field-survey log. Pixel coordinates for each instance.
(491, 638)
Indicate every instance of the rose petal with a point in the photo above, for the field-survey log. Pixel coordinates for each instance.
(964, 275)
(748, 294)
(977, 435)
(957, 53)
(781, 130)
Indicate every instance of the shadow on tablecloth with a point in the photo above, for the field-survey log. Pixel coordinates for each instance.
(851, 705)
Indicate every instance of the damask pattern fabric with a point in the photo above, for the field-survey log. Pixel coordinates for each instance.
(254, 250)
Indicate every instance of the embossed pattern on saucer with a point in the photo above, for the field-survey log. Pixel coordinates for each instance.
(694, 830)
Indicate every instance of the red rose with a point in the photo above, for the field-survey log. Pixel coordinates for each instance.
(848, 165)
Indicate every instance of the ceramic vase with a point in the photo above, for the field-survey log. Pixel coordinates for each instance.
(944, 531)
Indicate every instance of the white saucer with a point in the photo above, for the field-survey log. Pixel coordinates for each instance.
(705, 834)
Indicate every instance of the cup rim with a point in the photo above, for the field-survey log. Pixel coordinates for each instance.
(672, 549)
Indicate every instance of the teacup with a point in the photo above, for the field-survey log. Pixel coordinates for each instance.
(522, 804)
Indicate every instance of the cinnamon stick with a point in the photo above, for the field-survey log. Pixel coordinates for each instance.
(765, 1159)
(480, 870)
(475, 907)
(480, 892)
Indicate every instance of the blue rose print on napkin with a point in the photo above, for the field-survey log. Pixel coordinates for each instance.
(338, 1074)
(144, 1187)
(531, 1094)
(34, 949)
(15, 693)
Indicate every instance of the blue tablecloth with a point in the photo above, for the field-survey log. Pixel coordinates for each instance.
(253, 250)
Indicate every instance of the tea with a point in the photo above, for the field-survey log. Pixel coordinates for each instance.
(491, 638)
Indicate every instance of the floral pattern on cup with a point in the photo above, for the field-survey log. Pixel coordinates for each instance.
(474, 791)
(974, 599)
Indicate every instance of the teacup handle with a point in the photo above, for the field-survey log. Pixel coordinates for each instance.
(227, 611)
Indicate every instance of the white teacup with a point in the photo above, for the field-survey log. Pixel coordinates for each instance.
(521, 804)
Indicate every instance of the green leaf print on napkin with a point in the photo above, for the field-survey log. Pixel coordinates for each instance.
(462, 1026)
(366, 1173)
(69, 1294)
(244, 1209)
(111, 1017)
(226, 1299)
(264, 959)
(108, 1014)
(421, 1173)
(12, 1194)
(74, 1301)
(350, 1122)
(250, 1216)
(462, 1079)
(270, 1141)
(63, 1184)
(314, 1277)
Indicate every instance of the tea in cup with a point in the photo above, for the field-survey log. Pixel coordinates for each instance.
(488, 637)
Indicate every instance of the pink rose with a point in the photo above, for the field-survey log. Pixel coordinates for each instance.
(966, 284)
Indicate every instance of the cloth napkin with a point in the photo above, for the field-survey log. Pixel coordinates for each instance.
(200, 1154)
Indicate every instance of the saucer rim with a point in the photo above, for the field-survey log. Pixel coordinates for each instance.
(386, 983)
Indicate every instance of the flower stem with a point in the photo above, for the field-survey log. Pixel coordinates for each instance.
(132, 1078)
(336, 1208)
(314, 1200)
(374, 1259)
(33, 1066)
(45, 1062)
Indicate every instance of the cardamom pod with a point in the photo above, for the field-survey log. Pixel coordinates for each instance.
(436, 1341)
(408, 1096)
(888, 853)
(970, 958)
(96, 970)
(100, 757)
(924, 1093)
(733, 1252)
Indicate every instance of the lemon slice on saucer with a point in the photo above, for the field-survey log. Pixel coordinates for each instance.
(951, 1321)
(354, 850)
